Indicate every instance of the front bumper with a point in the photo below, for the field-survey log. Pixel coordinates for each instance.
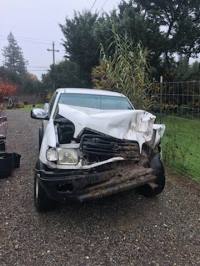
(93, 183)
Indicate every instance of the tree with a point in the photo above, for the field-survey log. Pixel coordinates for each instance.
(9, 76)
(14, 70)
(133, 24)
(167, 28)
(179, 23)
(13, 57)
(30, 84)
(185, 71)
(6, 89)
(100, 77)
(26, 83)
(127, 71)
(195, 71)
(80, 42)
(65, 74)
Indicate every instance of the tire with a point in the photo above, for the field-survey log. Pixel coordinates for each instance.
(41, 200)
(149, 191)
(41, 133)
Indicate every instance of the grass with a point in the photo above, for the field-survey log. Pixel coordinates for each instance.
(28, 107)
(181, 145)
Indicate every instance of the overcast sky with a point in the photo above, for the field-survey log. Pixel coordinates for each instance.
(34, 24)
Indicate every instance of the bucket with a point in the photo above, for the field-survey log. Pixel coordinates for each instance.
(16, 158)
(8, 162)
(2, 146)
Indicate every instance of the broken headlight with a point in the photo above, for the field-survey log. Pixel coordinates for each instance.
(67, 156)
(63, 156)
(52, 155)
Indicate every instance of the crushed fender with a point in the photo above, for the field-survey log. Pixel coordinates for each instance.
(124, 176)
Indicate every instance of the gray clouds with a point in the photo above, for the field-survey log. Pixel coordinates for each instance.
(35, 25)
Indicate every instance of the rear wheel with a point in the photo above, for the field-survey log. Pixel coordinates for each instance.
(153, 189)
(41, 200)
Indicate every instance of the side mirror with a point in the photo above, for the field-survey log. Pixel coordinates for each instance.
(46, 107)
(38, 113)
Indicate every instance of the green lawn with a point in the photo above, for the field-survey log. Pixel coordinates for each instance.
(181, 145)
(30, 106)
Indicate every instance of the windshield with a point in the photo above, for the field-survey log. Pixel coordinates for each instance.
(95, 101)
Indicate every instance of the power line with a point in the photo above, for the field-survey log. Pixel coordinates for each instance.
(103, 5)
(93, 5)
(39, 66)
(31, 41)
(53, 50)
(38, 70)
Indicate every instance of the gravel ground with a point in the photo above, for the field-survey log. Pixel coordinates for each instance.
(125, 229)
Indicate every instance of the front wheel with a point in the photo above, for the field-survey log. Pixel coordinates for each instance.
(151, 190)
(41, 200)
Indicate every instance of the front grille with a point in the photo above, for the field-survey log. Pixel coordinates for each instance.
(97, 146)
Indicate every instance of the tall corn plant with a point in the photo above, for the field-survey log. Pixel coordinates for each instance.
(128, 70)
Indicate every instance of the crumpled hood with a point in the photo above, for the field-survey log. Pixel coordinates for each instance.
(136, 125)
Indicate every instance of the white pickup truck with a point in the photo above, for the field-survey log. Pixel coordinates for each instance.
(93, 143)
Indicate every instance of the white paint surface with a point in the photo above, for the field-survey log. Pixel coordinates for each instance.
(135, 125)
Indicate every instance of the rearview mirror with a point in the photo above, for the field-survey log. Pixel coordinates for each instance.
(38, 113)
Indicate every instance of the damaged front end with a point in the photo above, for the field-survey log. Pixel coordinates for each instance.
(99, 153)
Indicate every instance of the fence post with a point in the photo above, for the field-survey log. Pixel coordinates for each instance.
(161, 83)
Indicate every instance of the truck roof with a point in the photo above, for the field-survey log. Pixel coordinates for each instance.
(89, 91)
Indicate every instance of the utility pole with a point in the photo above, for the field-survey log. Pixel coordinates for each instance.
(53, 50)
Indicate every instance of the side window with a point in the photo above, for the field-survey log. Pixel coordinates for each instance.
(52, 101)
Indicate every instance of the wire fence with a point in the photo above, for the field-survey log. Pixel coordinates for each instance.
(177, 104)
(177, 98)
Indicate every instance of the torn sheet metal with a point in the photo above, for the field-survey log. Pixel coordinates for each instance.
(135, 125)
(119, 181)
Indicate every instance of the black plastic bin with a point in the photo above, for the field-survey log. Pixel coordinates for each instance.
(2, 144)
(16, 158)
(8, 162)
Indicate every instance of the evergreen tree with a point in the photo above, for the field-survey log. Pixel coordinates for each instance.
(65, 74)
(80, 42)
(13, 56)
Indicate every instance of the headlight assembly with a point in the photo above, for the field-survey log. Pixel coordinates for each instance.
(63, 156)
(67, 156)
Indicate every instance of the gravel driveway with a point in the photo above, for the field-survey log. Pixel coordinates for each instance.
(125, 229)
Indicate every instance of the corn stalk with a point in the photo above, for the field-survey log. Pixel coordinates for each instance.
(128, 70)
